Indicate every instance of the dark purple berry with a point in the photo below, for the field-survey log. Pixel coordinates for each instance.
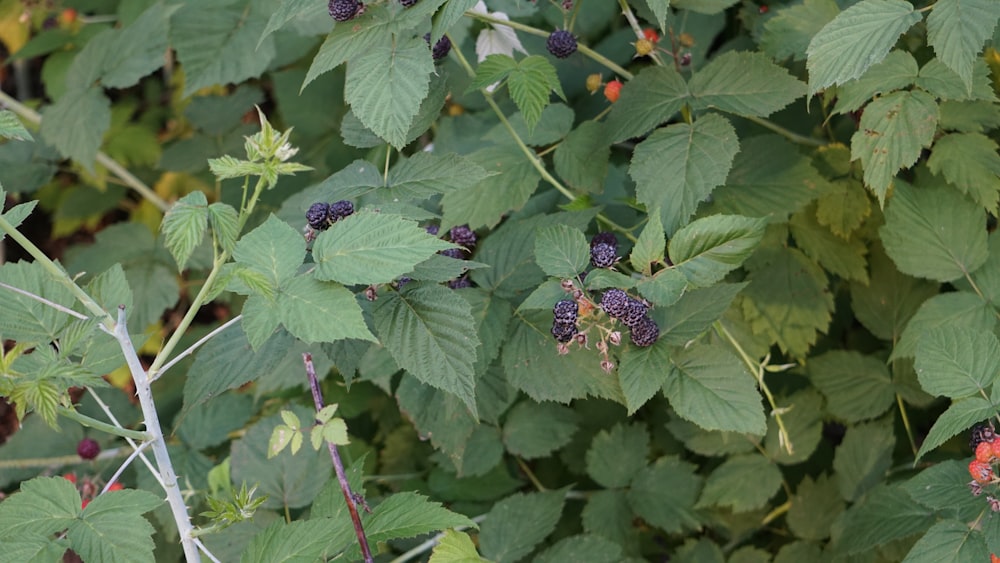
(441, 48)
(645, 332)
(452, 253)
(565, 311)
(432, 230)
(563, 332)
(460, 283)
(339, 210)
(463, 236)
(316, 216)
(408, 3)
(343, 10)
(615, 302)
(561, 43)
(635, 312)
(981, 433)
(604, 238)
(603, 255)
(88, 448)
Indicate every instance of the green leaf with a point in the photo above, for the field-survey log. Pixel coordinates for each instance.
(945, 486)
(225, 225)
(425, 174)
(582, 547)
(137, 49)
(76, 123)
(534, 430)
(43, 506)
(350, 41)
(948, 540)
(857, 38)
(530, 84)
(727, 485)
(703, 6)
(957, 362)
(862, 458)
(893, 131)
(217, 42)
(709, 248)
(316, 311)
(695, 312)
(516, 524)
(25, 319)
(450, 14)
(934, 233)
(641, 373)
(788, 33)
(887, 514)
(617, 455)
(652, 97)
(431, 334)
(649, 249)
(455, 547)
(710, 387)
(112, 528)
(608, 515)
(844, 258)
(368, 248)
(744, 84)
(886, 303)
(844, 207)
(788, 299)
(184, 226)
(12, 128)
(957, 29)
(678, 166)
(386, 84)
(301, 540)
(971, 117)
(959, 417)
(273, 249)
(288, 11)
(668, 508)
(944, 83)
(897, 71)
(561, 251)
(581, 159)
(856, 387)
(960, 309)
(493, 68)
(816, 505)
(969, 161)
(512, 181)
(439, 416)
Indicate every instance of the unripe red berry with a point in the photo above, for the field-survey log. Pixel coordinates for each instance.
(984, 452)
(116, 486)
(981, 472)
(88, 448)
(651, 34)
(613, 90)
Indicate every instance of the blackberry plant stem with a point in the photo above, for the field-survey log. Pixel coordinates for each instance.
(338, 465)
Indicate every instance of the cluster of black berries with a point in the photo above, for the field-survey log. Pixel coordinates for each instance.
(321, 215)
(461, 235)
(603, 250)
(564, 316)
(343, 10)
(632, 313)
(441, 48)
(561, 43)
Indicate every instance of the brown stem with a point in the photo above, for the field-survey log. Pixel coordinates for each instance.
(338, 466)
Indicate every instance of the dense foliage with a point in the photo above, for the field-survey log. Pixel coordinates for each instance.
(580, 280)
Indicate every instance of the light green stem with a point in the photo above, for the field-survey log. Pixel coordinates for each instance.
(790, 135)
(89, 422)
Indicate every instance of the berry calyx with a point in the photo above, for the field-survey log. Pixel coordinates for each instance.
(565, 311)
(612, 90)
(615, 303)
(651, 34)
(643, 47)
(561, 43)
(88, 448)
(594, 82)
(603, 255)
(645, 332)
(316, 216)
(343, 10)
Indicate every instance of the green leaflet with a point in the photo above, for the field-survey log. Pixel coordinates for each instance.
(957, 29)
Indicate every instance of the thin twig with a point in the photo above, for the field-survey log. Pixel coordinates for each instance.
(45, 301)
(124, 466)
(338, 466)
(190, 350)
(111, 416)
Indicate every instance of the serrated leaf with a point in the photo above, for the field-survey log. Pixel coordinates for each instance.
(641, 373)
(608, 515)
(438, 416)
(844, 208)
(815, 507)
(678, 166)
(893, 131)
(184, 226)
(302, 540)
(957, 29)
(788, 33)
(431, 334)
(886, 303)
(708, 7)
(581, 159)
(561, 251)
(137, 49)
(217, 42)
(944, 83)
(959, 417)
(273, 249)
(650, 247)
(530, 85)
(969, 161)
(844, 258)
(709, 248)
(961, 309)
(386, 83)
(726, 486)
(534, 430)
(289, 10)
(744, 84)
(582, 547)
(945, 487)
(12, 128)
(897, 71)
(710, 387)
(695, 312)
(43, 506)
(516, 524)
(23, 318)
(971, 116)
(112, 528)
(425, 174)
(512, 181)
(652, 97)
(862, 458)
(316, 311)
(493, 68)
(76, 123)
(668, 508)
(887, 514)
(450, 14)
(368, 248)
(957, 362)
(934, 233)
(857, 38)
(617, 455)
(455, 547)
(856, 387)
(225, 225)
(947, 541)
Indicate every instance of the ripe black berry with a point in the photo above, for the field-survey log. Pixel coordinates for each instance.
(981, 433)
(604, 238)
(635, 312)
(339, 210)
(645, 332)
(561, 43)
(452, 253)
(463, 236)
(603, 255)
(432, 230)
(88, 448)
(565, 311)
(316, 216)
(563, 332)
(615, 302)
(343, 10)
(408, 3)
(460, 283)
(441, 48)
